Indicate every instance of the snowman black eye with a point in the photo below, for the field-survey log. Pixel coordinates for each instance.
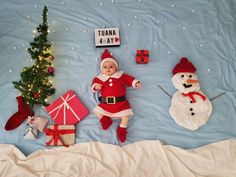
(190, 76)
(182, 76)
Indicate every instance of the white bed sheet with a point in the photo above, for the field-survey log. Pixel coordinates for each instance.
(141, 159)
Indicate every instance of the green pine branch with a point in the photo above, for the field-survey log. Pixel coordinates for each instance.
(35, 86)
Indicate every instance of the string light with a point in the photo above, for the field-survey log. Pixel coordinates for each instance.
(29, 85)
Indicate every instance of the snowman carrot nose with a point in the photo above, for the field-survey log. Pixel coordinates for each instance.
(192, 81)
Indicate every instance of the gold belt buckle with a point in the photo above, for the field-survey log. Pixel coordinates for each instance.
(109, 98)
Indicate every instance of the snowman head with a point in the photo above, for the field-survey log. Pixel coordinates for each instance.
(185, 79)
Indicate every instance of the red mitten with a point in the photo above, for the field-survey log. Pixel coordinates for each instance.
(105, 122)
(121, 134)
(16, 119)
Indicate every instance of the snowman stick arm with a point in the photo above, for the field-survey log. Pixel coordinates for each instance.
(164, 91)
(217, 96)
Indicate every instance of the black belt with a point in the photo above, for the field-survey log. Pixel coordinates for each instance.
(112, 99)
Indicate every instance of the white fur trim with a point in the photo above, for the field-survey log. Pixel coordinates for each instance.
(104, 77)
(93, 86)
(127, 112)
(111, 60)
(134, 83)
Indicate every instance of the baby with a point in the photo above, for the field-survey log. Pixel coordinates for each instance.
(112, 84)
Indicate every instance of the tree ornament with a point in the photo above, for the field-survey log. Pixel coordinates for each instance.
(51, 70)
(36, 95)
(51, 57)
(25, 69)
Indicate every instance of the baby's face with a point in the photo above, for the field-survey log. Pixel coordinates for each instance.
(108, 68)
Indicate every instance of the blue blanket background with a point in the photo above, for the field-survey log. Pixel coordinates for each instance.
(204, 31)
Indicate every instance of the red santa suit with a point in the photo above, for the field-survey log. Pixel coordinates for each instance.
(114, 86)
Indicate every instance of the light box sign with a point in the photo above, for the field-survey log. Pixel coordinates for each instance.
(107, 37)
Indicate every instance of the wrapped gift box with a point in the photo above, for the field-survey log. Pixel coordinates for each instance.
(67, 110)
(60, 135)
(142, 56)
(31, 132)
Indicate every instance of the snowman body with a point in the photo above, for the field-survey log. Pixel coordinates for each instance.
(190, 114)
(190, 107)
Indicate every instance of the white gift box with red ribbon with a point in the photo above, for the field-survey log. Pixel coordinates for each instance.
(67, 110)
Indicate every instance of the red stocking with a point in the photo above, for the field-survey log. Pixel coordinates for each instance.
(16, 119)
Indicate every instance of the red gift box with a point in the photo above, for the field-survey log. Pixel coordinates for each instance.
(142, 56)
(67, 110)
(57, 135)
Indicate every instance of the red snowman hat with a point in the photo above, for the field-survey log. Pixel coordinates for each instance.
(106, 56)
(184, 66)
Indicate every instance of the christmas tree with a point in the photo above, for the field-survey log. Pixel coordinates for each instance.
(35, 85)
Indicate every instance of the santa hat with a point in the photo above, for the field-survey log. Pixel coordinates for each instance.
(106, 56)
(184, 66)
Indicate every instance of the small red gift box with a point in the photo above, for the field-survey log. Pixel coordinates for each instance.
(142, 56)
(67, 110)
(58, 135)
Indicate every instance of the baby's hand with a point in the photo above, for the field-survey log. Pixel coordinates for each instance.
(98, 87)
(138, 85)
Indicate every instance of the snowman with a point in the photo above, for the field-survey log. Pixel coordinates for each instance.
(190, 107)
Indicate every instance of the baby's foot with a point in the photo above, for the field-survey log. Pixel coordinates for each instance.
(121, 133)
(105, 122)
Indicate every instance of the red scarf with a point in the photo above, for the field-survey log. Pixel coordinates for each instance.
(191, 94)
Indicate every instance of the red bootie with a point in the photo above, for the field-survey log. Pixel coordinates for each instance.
(16, 119)
(105, 122)
(121, 134)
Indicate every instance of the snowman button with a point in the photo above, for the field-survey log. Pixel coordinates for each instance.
(191, 109)
(191, 101)
(192, 114)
